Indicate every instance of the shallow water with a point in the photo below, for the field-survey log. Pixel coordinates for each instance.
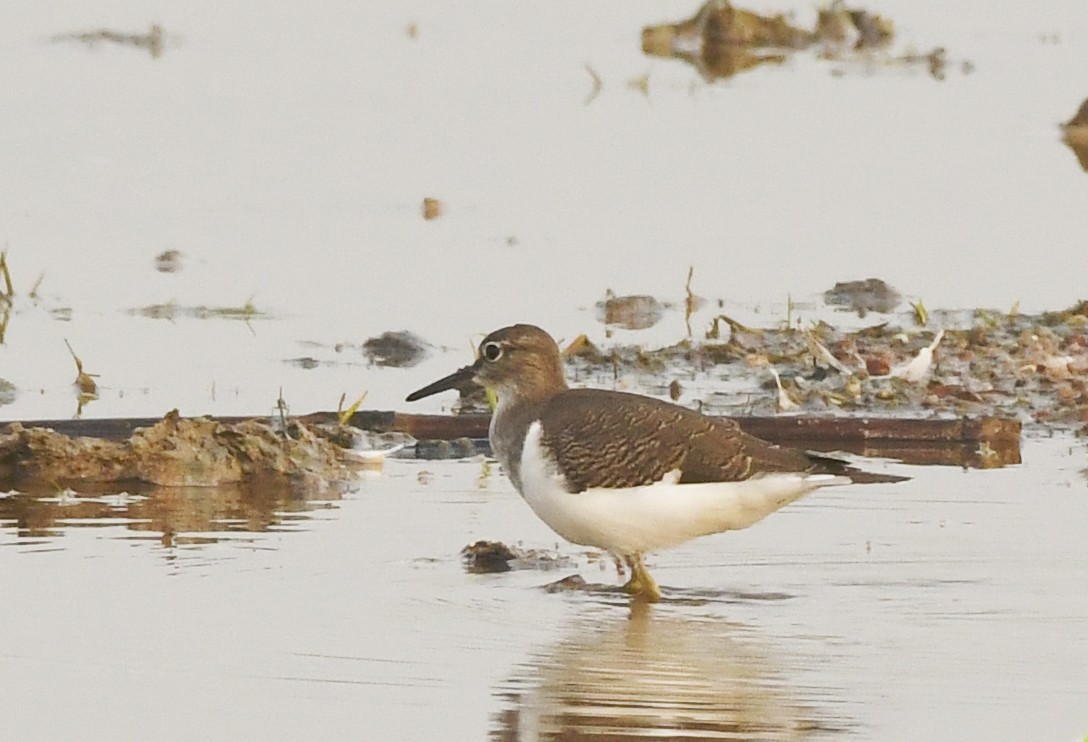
(287, 158)
(951, 606)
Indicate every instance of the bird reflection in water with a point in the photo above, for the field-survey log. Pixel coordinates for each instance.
(660, 677)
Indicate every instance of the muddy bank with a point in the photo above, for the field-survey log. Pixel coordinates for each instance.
(175, 452)
(1032, 369)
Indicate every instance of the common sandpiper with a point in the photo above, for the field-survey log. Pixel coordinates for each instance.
(623, 472)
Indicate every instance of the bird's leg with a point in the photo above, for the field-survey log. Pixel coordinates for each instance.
(641, 584)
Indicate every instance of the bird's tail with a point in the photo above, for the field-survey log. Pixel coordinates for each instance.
(825, 464)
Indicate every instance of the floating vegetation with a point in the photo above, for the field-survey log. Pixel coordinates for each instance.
(344, 416)
(33, 295)
(692, 302)
(640, 83)
(7, 296)
(153, 41)
(172, 311)
(921, 314)
(869, 295)
(722, 40)
(598, 85)
(9, 291)
(7, 392)
(84, 382)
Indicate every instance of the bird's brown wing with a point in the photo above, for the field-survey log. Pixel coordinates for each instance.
(612, 439)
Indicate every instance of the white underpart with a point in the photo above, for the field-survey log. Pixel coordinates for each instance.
(634, 520)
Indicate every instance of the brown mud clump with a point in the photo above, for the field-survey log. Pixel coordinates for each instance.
(1075, 135)
(484, 557)
(721, 40)
(432, 208)
(175, 452)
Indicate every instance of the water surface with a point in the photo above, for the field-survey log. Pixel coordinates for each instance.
(285, 152)
(948, 607)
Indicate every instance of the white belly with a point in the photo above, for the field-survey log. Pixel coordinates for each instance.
(654, 516)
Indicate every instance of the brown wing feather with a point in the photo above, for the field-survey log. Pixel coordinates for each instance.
(612, 439)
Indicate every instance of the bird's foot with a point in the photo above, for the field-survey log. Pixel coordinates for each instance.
(641, 585)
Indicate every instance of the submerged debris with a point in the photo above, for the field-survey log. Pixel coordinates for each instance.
(440, 448)
(168, 261)
(638, 312)
(568, 584)
(368, 447)
(870, 295)
(396, 349)
(485, 557)
(175, 452)
(172, 311)
(153, 40)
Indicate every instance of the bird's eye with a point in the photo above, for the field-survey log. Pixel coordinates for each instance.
(492, 351)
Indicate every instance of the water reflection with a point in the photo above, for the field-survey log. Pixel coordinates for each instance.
(656, 676)
(170, 515)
